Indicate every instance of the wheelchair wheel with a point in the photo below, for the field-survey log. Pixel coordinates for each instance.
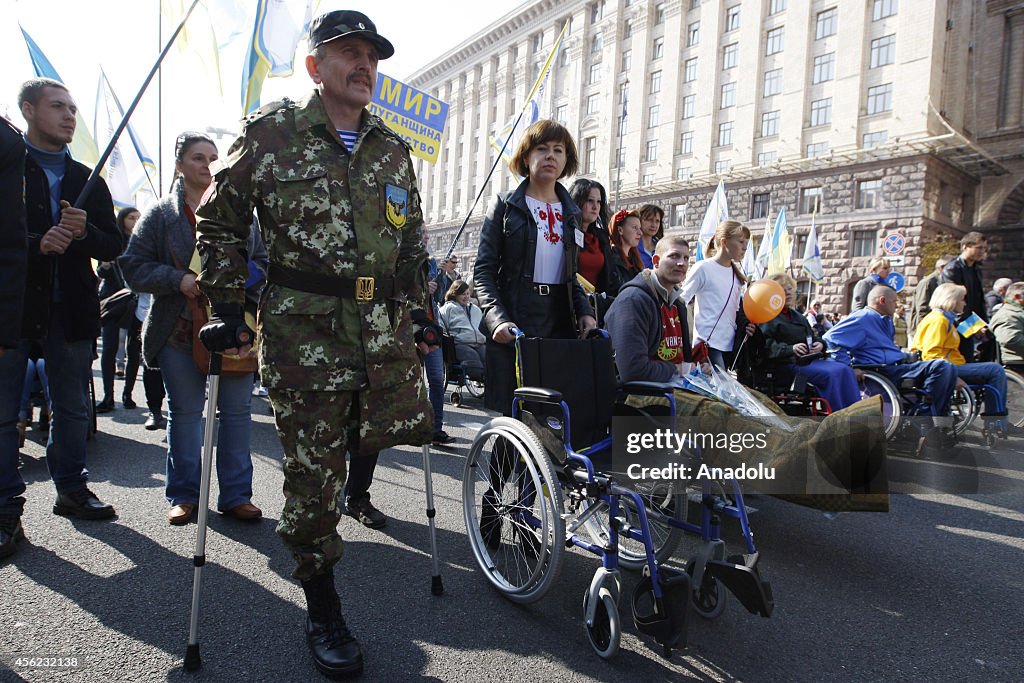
(964, 409)
(475, 387)
(666, 498)
(875, 384)
(709, 598)
(455, 399)
(512, 505)
(606, 631)
(1014, 398)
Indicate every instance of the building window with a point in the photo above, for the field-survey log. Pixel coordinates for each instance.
(590, 154)
(690, 70)
(686, 142)
(653, 115)
(694, 4)
(682, 172)
(655, 82)
(765, 158)
(658, 50)
(821, 112)
(723, 166)
(651, 153)
(869, 193)
(759, 204)
(689, 102)
(772, 82)
(622, 126)
(620, 157)
(880, 99)
(883, 9)
(817, 149)
(875, 139)
(627, 59)
(648, 179)
(595, 44)
(730, 55)
(678, 210)
(824, 68)
(563, 58)
(693, 34)
(592, 103)
(562, 114)
(774, 42)
(776, 6)
(725, 133)
(595, 73)
(769, 123)
(728, 95)
(826, 25)
(732, 18)
(596, 11)
(659, 13)
(810, 200)
(627, 29)
(864, 242)
(883, 51)
(624, 93)
(538, 42)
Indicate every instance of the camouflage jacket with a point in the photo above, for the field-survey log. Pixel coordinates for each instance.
(326, 211)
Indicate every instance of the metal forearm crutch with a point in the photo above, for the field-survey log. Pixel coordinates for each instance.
(436, 587)
(192, 659)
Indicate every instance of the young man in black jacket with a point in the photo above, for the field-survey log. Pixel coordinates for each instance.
(966, 270)
(60, 303)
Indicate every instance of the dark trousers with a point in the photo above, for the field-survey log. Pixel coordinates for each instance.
(360, 475)
(152, 380)
(111, 335)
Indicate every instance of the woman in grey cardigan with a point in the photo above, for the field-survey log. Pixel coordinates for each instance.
(157, 261)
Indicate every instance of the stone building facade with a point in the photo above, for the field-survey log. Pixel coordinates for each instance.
(899, 115)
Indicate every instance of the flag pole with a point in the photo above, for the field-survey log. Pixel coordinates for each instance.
(508, 138)
(160, 104)
(84, 194)
(618, 164)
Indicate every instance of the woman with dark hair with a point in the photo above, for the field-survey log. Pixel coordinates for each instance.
(625, 236)
(157, 261)
(112, 281)
(652, 220)
(596, 253)
(526, 265)
(461, 318)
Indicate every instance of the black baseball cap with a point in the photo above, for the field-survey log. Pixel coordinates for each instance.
(345, 23)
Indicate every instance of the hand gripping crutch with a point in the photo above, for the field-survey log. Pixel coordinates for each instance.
(436, 587)
(192, 659)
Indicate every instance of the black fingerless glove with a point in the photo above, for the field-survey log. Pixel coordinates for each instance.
(226, 329)
(427, 331)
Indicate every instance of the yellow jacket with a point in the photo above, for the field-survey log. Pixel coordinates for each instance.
(937, 339)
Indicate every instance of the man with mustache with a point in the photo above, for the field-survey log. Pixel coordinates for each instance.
(336, 343)
(60, 307)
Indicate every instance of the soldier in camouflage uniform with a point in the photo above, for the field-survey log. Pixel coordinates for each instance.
(340, 214)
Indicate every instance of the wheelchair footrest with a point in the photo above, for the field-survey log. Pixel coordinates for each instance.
(740, 575)
(665, 618)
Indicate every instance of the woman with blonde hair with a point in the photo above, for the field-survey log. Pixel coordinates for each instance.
(878, 271)
(788, 342)
(938, 338)
(715, 284)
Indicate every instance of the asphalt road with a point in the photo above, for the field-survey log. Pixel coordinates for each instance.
(931, 590)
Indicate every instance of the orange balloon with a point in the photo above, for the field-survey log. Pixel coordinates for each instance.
(763, 301)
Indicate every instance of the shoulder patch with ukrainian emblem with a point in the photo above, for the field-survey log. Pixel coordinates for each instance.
(397, 210)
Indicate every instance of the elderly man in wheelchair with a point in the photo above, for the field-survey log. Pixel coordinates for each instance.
(865, 339)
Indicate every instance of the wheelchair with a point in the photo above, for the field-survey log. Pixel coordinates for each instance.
(529, 495)
(791, 391)
(1011, 411)
(455, 374)
(910, 400)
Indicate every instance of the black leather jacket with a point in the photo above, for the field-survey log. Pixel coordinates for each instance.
(13, 246)
(505, 259)
(958, 272)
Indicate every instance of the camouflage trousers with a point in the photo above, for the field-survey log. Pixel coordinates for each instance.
(314, 427)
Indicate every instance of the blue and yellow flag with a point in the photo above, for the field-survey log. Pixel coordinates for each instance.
(780, 254)
(271, 52)
(83, 146)
(970, 326)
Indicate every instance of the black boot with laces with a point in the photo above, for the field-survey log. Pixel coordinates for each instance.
(335, 651)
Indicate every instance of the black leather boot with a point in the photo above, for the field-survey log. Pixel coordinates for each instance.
(336, 653)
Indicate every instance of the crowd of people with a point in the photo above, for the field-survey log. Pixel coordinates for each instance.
(306, 282)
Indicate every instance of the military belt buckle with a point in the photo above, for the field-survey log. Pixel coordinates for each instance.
(364, 289)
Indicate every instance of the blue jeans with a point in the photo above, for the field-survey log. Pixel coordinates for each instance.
(986, 373)
(33, 369)
(185, 403)
(939, 381)
(434, 363)
(68, 366)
